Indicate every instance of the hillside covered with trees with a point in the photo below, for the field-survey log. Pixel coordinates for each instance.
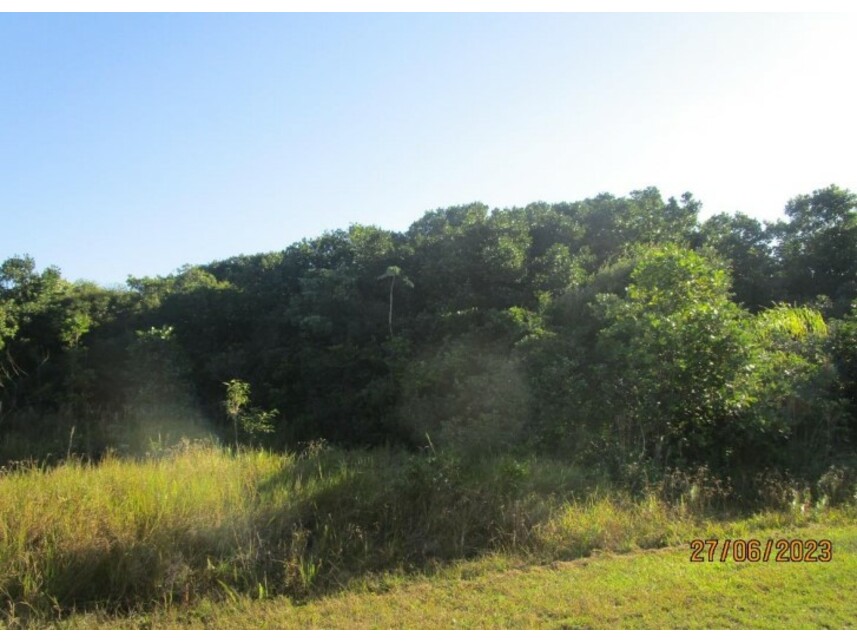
(621, 334)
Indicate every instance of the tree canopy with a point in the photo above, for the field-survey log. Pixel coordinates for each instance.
(620, 331)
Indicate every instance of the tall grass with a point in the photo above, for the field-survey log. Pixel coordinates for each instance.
(203, 521)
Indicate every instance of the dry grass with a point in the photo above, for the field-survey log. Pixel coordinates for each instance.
(201, 524)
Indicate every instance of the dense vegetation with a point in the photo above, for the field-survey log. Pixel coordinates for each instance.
(532, 383)
(621, 334)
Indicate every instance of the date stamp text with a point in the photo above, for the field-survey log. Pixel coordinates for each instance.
(753, 550)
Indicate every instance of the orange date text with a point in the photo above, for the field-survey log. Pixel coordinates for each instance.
(753, 550)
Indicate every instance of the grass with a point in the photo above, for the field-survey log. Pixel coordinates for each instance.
(641, 590)
(201, 537)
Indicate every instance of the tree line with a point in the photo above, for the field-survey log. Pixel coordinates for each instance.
(622, 333)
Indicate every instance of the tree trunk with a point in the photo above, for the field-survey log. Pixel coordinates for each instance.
(390, 316)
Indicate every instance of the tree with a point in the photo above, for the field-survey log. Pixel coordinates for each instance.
(613, 224)
(670, 347)
(31, 319)
(746, 244)
(251, 421)
(818, 247)
(844, 355)
(8, 324)
(237, 397)
(783, 412)
(392, 273)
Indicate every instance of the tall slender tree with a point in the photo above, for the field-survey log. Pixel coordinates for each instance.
(392, 273)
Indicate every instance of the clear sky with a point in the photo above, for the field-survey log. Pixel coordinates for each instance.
(134, 144)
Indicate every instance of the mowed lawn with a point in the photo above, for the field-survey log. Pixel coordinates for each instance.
(643, 589)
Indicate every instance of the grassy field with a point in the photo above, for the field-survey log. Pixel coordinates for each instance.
(200, 537)
(641, 590)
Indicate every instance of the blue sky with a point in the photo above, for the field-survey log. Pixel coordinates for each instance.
(136, 143)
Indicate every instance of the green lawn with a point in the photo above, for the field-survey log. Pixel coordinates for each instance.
(643, 589)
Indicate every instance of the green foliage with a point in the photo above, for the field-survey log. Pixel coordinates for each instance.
(843, 350)
(157, 371)
(8, 325)
(605, 329)
(818, 246)
(787, 407)
(251, 421)
(467, 396)
(237, 397)
(784, 323)
(257, 421)
(604, 332)
(671, 347)
(746, 244)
